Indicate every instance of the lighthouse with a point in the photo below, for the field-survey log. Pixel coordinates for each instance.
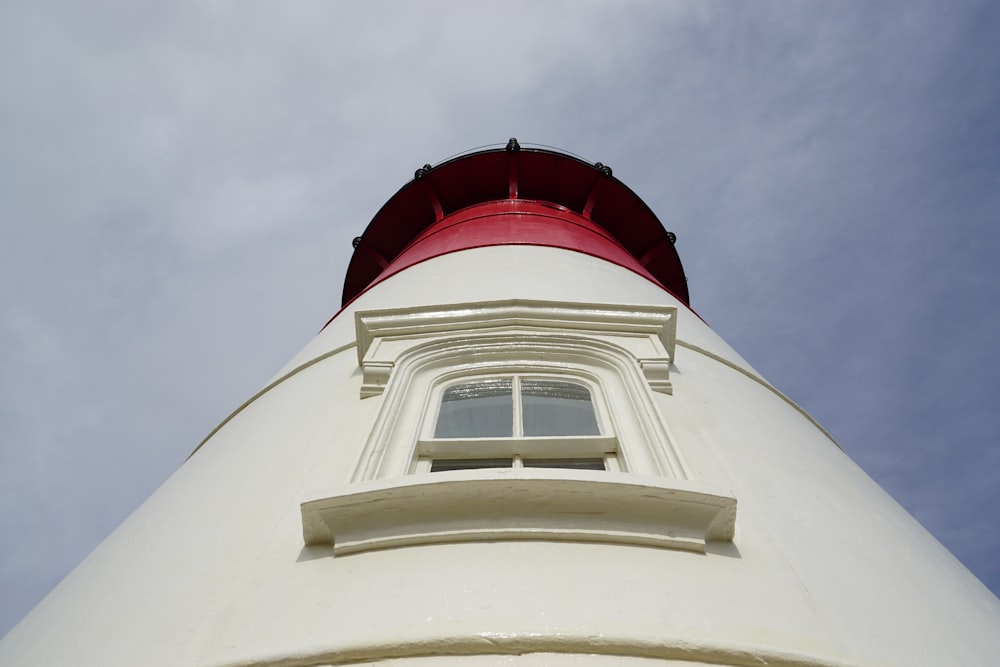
(516, 444)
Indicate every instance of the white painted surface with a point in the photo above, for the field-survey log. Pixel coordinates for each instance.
(824, 568)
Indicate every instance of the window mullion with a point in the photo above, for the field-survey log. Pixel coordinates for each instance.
(516, 397)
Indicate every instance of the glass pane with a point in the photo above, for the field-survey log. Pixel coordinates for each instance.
(551, 407)
(469, 464)
(481, 409)
(572, 464)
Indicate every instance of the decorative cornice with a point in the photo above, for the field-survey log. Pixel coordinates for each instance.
(648, 333)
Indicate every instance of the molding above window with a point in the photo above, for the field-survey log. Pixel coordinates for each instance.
(647, 333)
(522, 504)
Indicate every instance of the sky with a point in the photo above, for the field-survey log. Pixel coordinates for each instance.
(180, 183)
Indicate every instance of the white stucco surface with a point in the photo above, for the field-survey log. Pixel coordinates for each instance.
(824, 568)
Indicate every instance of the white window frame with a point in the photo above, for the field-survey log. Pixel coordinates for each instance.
(517, 446)
(407, 356)
(645, 443)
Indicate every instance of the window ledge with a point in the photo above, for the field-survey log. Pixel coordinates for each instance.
(519, 504)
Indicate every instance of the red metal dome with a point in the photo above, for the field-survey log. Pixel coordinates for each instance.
(515, 196)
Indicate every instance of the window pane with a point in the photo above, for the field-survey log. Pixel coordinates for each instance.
(572, 464)
(482, 409)
(469, 464)
(557, 408)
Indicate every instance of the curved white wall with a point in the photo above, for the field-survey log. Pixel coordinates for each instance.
(825, 568)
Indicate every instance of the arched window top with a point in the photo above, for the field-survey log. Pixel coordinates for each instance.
(515, 420)
(507, 407)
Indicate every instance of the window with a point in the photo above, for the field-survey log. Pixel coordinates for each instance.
(516, 407)
(521, 401)
(619, 354)
(515, 422)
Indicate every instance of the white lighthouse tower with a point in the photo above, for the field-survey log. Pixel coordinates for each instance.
(516, 444)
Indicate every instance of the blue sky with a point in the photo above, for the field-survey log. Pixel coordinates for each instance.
(180, 184)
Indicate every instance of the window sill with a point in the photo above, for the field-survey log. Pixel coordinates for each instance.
(519, 504)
